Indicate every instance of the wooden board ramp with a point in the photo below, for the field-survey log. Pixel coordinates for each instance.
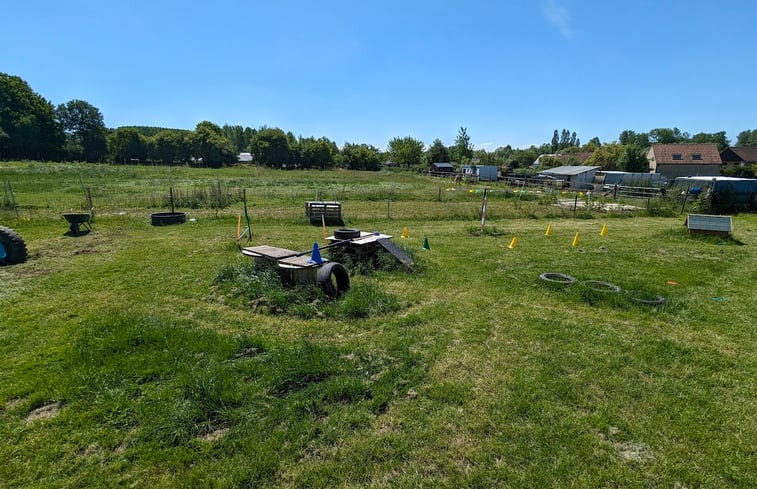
(396, 251)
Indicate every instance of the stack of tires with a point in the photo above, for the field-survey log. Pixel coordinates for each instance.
(12, 247)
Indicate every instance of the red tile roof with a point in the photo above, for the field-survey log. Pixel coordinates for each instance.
(709, 154)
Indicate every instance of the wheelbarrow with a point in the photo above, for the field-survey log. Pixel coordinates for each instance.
(79, 220)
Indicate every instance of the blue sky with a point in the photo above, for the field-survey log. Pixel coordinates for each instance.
(366, 71)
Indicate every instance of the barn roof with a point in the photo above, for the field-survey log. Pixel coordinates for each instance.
(569, 170)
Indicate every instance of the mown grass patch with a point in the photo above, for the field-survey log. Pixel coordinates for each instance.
(140, 393)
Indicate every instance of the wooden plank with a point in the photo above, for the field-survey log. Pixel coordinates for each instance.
(396, 251)
(267, 251)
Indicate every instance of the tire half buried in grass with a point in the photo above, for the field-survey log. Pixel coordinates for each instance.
(168, 218)
(598, 286)
(333, 279)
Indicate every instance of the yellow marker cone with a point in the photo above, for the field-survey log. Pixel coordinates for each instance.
(549, 230)
(404, 233)
(603, 232)
(513, 243)
(576, 240)
(239, 225)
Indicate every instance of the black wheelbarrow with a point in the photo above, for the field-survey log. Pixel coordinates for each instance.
(79, 223)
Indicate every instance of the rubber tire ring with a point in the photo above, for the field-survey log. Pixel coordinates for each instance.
(346, 233)
(557, 278)
(14, 246)
(339, 274)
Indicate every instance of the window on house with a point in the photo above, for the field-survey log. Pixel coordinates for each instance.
(696, 156)
(677, 156)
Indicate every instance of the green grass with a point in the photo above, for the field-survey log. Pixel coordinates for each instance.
(162, 361)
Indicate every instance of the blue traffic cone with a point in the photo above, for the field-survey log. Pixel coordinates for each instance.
(315, 256)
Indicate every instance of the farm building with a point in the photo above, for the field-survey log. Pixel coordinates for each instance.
(482, 173)
(680, 160)
(739, 156)
(577, 177)
(442, 167)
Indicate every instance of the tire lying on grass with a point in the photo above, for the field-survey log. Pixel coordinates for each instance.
(557, 278)
(333, 279)
(12, 247)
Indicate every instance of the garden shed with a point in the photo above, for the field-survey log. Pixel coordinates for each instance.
(576, 177)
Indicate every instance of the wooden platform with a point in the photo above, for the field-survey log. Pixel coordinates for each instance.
(281, 257)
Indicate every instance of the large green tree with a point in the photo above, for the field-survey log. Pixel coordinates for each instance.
(463, 149)
(747, 138)
(126, 144)
(317, 153)
(718, 138)
(608, 156)
(360, 157)
(83, 126)
(210, 145)
(28, 122)
(170, 146)
(438, 153)
(406, 151)
(634, 159)
(663, 135)
(270, 146)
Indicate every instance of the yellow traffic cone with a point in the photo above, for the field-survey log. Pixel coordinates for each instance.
(603, 232)
(576, 240)
(513, 243)
(549, 230)
(404, 233)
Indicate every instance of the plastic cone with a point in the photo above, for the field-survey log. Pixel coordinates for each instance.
(513, 243)
(603, 232)
(549, 230)
(576, 241)
(315, 256)
(426, 245)
(405, 233)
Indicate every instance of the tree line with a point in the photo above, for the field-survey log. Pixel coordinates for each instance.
(31, 127)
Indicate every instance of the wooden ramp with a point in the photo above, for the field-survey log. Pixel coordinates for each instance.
(396, 251)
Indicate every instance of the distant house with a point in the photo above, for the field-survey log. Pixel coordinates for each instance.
(739, 156)
(481, 173)
(680, 160)
(577, 177)
(442, 167)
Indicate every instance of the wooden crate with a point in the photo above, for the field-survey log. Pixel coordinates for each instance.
(318, 211)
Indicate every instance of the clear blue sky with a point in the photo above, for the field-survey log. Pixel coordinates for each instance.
(366, 71)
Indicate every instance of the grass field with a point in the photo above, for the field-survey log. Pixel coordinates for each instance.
(123, 362)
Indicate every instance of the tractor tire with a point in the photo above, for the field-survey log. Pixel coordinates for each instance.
(346, 233)
(12, 247)
(333, 279)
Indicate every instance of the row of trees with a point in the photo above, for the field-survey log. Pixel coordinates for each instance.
(33, 128)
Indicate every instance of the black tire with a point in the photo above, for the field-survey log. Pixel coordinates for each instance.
(598, 286)
(557, 278)
(12, 247)
(333, 279)
(346, 233)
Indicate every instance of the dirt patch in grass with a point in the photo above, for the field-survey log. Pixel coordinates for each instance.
(634, 451)
(214, 435)
(44, 412)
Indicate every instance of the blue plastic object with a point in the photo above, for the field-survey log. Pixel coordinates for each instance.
(3, 254)
(315, 257)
